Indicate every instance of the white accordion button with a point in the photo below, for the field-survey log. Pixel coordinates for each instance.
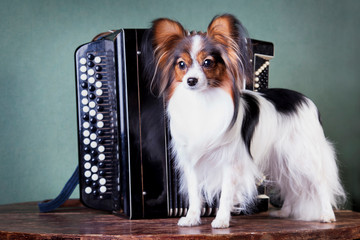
(98, 84)
(102, 157)
(97, 60)
(83, 69)
(95, 177)
(99, 92)
(102, 189)
(91, 72)
(94, 169)
(102, 181)
(84, 93)
(87, 157)
(92, 104)
(100, 124)
(88, 190)
(87, 173)
(85, 101)
(83, 77)
(86, 125)
(100, 116)
(91, 80)
(87, 165)
(101, 148)
(82, 60)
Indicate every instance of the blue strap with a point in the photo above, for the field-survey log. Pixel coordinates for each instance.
(64, 194)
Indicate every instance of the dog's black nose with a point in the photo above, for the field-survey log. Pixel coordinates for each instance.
(192, 81)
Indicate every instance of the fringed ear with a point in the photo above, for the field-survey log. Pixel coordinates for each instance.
(227, 31)
(160, 42)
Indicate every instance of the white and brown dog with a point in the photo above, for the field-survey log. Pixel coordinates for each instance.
(224, 137)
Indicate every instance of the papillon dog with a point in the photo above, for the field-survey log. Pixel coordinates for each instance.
(225, 138)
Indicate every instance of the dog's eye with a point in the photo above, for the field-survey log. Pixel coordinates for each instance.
(208, 63)
(182, 65)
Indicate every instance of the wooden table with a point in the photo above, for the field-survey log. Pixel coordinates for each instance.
(23, 221)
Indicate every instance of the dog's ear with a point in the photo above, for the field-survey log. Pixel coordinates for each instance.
(227, 31)
(166, 33)
(223, 29)
(159, 44)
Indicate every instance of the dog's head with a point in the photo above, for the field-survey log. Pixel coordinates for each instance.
(197, 60)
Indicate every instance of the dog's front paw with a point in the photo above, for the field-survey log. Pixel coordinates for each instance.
(328, 217)
(189, 221)
(220, 223)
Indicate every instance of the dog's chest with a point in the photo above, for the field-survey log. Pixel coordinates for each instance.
(199, 117)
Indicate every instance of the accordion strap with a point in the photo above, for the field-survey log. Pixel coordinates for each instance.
(48, 206)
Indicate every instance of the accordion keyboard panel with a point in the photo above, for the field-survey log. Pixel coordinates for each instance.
(97, 125)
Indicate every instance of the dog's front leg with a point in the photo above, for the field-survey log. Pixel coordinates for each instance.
(223, 215)
(195, 200)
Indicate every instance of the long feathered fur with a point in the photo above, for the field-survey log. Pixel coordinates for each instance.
(225, 138)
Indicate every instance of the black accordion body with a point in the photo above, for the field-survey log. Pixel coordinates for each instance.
(125, 166)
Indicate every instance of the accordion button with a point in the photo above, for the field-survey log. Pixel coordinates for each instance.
(100, 140)
(97, 60)
(98, 76)
(94, 153)
(84, 101)
(83, 69)
(101, 148)
(86, 125)
(93, 129)
(102, 189)
(94, 169)
(99, 92)
(100, 116)
(87, 165)
(95, 192)
(95, 184)
(86, 141)
(87, 157)
(87, 173)
(91, 72)
(93, 120)
(100, 108)
(91, 80)
(99, 100)
(95, 177)
(85, 109)
(86, 133)
(84, 93)
(98, 84)
(100, 133)
(86, 117)
(82, 60)
(101, 165)
(90, 64)
(92, 96)
(100, 124)
(87, 149)
(93, 144)
(88, 181)
(93, 136)
(102, 181)
(102, 173)
(83, 76)
(92, 104)
(92, 88)
(98, 68)
(102, 157)
(92, 113)
(88, 190)
(90, 56)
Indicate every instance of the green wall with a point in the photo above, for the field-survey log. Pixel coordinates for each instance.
(316, 52)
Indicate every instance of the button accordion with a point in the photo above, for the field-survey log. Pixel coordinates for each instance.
(124, 158)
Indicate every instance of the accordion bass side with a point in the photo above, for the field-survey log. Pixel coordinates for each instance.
(124, 159)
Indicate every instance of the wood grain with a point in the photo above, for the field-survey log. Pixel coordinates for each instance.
(23, 221)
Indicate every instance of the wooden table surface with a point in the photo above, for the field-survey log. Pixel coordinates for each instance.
(23, 221)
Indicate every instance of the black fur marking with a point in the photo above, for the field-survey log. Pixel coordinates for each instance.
(285, 101)
(250, 119)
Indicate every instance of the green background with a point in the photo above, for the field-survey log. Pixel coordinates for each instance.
(316, 53)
